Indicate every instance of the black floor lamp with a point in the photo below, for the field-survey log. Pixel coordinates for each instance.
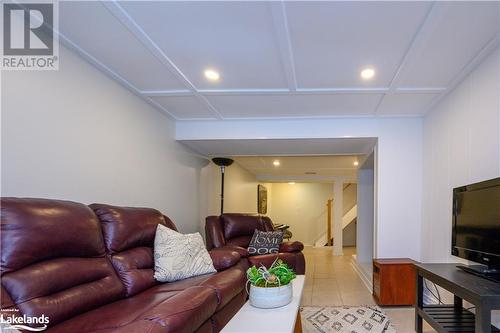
(223, 162)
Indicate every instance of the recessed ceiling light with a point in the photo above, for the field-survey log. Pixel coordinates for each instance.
(276, 163)
(212, 75)
(367, 73)
(356, 163)
(291, 183)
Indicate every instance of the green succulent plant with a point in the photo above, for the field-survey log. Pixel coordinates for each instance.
(279, 274)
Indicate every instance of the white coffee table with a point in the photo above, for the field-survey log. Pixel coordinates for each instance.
(280, 320)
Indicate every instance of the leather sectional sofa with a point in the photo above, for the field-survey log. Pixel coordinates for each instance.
(90, 269)
(234, 232)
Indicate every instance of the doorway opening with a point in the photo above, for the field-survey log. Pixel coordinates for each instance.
(322, 190)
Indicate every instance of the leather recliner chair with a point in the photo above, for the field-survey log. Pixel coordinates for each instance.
(234, 232)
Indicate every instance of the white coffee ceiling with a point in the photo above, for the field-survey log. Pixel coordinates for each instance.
(283, 59)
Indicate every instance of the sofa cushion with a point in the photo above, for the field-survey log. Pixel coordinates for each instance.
(139, 326)
(227, 285)
(236, 225)
(165, 309)
(128, 227)
(53, 259)
(116, 314)
(179, 256)
(242, 241)
(129, 235)
(33, 230)
(186, 311)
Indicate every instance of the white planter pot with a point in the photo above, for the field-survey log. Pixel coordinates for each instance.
(267, 298)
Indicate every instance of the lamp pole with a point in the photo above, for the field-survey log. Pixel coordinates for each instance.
(222, 162)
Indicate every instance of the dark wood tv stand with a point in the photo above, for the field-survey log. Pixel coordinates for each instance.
(482, 293)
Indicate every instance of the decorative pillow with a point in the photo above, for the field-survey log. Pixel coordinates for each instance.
(179, 256)
(265, 242)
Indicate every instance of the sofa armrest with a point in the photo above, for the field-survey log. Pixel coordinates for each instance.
(224, 258)
(291, 247)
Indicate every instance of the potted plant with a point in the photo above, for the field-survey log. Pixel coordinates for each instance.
(270, 288)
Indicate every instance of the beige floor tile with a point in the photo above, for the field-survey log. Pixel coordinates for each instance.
(332, 281)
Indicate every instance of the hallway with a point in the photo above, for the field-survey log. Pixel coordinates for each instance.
(332, 281)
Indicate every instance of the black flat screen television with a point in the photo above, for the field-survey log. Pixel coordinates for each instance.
(476, 223)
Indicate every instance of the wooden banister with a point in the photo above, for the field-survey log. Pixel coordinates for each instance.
(329, 222)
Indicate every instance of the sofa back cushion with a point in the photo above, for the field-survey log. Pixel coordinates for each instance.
(129, 235)
(53, 258)
(241, 225)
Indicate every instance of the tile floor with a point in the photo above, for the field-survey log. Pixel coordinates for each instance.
(331, 280)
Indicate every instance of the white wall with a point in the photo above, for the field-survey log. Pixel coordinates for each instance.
(399, 172)
(75, 134)
(365, 221)
(461, 146)
(303, 207)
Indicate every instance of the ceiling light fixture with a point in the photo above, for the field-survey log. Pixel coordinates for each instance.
(212, 75)
(276, 163)
(356, 163)
(291, 183)
(367, 73)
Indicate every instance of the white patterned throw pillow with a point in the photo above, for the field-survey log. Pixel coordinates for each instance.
(179, 256)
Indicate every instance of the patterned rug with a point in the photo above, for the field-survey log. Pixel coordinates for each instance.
(357, 319)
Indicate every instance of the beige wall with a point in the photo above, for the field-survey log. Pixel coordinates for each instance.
(75, 134)
(303, 207)
(240, 190)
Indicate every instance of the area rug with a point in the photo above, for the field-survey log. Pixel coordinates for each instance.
(357, 319)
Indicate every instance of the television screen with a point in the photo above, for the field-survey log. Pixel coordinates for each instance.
(476, 222)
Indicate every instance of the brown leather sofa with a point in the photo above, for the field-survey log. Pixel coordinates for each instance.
(90, 269)
(234, 232)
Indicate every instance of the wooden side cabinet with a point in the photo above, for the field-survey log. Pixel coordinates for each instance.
(394, 281)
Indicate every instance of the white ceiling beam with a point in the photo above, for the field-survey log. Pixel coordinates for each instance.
(282, 38)
(300, 91)
(490, 47)
(122, 15)
(346, 90)
(422, 90)
(425, 28)
(166, 93)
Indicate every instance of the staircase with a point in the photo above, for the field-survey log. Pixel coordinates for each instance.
(349, 217)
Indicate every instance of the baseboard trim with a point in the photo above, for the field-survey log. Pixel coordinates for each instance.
(362, 273)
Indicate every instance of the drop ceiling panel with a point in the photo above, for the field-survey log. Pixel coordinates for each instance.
(460, 30)
(95, 30)
(185, 107)
(235, 38)
(271, 106)
(405, 104)
(333, 41)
